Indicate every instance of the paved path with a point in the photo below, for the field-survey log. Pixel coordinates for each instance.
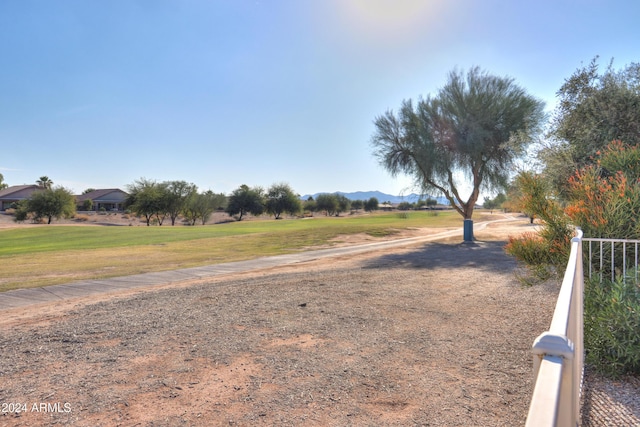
(25, 297)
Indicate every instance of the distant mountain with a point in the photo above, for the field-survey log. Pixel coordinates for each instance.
(382, 197)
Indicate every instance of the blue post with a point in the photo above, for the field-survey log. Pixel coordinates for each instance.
(468, 230)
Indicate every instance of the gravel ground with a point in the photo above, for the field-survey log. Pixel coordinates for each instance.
(609, 402)
(432, 335)
(435, 335)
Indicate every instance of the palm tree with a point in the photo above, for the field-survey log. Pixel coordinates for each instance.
(45, 182)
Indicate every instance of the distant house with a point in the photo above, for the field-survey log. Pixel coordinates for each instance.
(14, 194)
(110, 199)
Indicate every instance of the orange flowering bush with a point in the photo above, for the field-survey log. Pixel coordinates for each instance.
(605, 197)
(604, 201)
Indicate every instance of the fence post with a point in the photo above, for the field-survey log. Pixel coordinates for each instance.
(550, 344)
(553, 346)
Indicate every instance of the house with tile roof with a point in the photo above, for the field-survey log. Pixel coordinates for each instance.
(111, 199)
(16, 193)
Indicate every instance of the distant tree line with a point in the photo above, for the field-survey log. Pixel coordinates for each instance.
(280, 199)
(420, 204)
(157, 201)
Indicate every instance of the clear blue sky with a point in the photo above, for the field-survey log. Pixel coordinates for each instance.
(221, 93)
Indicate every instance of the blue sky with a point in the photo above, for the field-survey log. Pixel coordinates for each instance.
(228, 92)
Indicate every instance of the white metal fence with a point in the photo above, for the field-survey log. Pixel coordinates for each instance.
(558, 355)
(612, 258)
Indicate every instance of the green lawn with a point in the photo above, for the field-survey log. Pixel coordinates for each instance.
(44, 255)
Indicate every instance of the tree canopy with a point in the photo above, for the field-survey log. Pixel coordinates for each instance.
(176, 194)
(281, 198)
(371, 205)
(147, 198)
(327, 203)
(594, 108)
(48, 203)
(246, 200)
(475, 127)
(200, 206)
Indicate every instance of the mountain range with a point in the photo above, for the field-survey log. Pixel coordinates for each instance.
(383, 197)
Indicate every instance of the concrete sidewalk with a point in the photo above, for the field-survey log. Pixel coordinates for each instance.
(25, 297)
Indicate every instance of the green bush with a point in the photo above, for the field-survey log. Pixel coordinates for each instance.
(545, 252)
(21, 210)
(535, 252)
(529, 248)
(612, 325)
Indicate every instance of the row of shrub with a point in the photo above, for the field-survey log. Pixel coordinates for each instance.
(604, 201)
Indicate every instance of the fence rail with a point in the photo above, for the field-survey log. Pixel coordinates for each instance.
(558, 355)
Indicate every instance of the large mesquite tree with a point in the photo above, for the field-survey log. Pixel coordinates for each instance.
(476, 126)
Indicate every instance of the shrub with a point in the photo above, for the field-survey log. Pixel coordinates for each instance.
(611, 325)
(549, 246)
(604, 201)
(529, 248)
(21, 210)
(87, 205)
(21, 216)
(536, 253)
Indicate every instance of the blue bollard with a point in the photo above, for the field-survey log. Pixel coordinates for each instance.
(468, 230)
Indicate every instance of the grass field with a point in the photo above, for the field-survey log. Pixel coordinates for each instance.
(41, 256)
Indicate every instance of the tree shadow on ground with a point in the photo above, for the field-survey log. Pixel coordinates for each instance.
(486, 256)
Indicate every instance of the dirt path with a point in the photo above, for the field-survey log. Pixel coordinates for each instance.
(436, 334)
